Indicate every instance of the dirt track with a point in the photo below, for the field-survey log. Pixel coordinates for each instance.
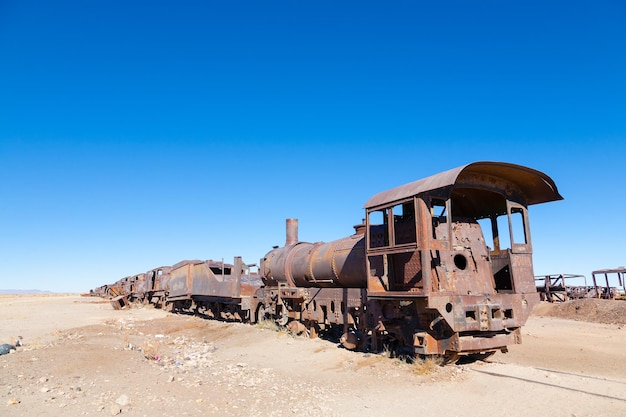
(81, 357)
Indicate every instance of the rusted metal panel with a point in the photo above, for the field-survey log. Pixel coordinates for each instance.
(120, 302)
(178, 283)
(214, 279)
(498, 312)
(522, 273)
(534, 185)
(479, 343)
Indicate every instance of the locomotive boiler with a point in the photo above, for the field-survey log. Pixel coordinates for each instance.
(441, 266)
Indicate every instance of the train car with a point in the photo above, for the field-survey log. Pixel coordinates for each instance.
(441, 266)
(136, 287)
(211, 288)
(117, 288)
(100, 291)
(156, 283)
(118, 293)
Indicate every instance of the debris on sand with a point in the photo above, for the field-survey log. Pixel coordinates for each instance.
(6, 348)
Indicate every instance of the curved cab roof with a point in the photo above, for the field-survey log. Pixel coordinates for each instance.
(535, 186)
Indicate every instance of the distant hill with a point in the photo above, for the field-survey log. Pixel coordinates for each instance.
(25, 292)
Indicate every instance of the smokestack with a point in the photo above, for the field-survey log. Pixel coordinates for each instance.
(292, 232)
(359, 229)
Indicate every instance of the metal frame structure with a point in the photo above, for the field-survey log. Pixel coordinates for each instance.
(608, 291)
(553, 288)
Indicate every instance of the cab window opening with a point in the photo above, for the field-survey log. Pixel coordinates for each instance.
(378, 232)
(404, 223)
(487, 230)
(438, 211)
(504, 237)
(518, 225)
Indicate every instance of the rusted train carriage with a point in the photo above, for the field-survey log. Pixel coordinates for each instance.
(441, 266)
(119, 287)
(136, 287)
(100, 291)
(155, 285)
(211, 288)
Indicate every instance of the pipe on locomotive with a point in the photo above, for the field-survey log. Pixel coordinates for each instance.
(340, 263)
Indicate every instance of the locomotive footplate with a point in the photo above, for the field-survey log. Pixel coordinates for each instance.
(425, 344)
(486, 342)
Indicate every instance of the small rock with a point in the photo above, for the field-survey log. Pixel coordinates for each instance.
(13, 401)
(122, 400)
(115, 410)
(42, 380)
(170, 379)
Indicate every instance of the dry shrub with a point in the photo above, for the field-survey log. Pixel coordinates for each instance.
(150, 351)
(426, 366)
(269, 325)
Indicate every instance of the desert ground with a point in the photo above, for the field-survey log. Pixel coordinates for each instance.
(80, 357)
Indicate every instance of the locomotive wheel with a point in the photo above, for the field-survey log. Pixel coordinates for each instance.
(312, 329)
(296, 327)
(283, 319)
(260, 313)
(242, 315)
(450, 357)
(349, 340)
(216, 308)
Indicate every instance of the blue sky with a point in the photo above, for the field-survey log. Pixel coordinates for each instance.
(138, 134)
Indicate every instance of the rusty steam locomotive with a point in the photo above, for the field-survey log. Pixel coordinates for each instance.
(440, 266)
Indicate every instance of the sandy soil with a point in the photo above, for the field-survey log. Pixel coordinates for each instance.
(81, 357)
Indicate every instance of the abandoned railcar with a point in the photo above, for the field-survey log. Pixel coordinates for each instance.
(442, 266)
(211, 288)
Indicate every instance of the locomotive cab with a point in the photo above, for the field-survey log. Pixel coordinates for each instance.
(459, 240)
(450, 257)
